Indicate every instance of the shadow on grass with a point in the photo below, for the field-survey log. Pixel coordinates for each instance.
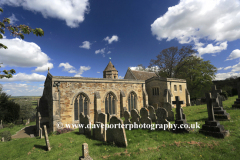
(41, 147)
(87, 136)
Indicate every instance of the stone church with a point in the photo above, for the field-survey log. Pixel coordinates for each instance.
(65, 97)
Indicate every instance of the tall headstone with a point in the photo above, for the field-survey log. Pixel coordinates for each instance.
(181, 124)
(102, 121)
(81, 121)
(152, 114)
(168, 107)
(237, 102)
(85, 152)
(87, 128)
(145, 118)
(46, 138)
(219, 113)
(211, 126)
(162, 115)
(116, 134)
(127, 121)
(135, 116)
(39, 124)
(98, 132)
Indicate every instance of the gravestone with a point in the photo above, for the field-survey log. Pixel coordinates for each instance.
(135, 117)
(1, 126)
(81, 121)
(219, 113)
(40, 133)
(116, 134)
(38, 119)
(152, 114)
(98, 133)
(211, 126)
(102, 118)
(2, 139)
(162, 115)
(237, 102)
(127, 121)
(46, 138)
(87, 127)
(181, 124)
(85, 152)
(168, 107)
(32, 136)
(145, 118)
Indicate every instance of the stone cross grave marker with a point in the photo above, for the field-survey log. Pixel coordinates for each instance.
(85, 152)
(219, 97)
(214, 93)
(127, 120)
(162, 115)
(210, 107)
(116, 135)
(135, 116)
(46, 138)
(152, 114)
(178, 107)
(145, 117)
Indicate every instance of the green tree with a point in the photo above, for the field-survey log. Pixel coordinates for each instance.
(16, 31)
(26, 110)
(199, 75)
(171, 60)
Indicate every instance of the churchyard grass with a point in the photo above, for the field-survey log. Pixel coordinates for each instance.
(142, 144)
(17, 128)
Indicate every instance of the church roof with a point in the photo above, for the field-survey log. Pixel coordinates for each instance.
(110, 67)
(143, 75)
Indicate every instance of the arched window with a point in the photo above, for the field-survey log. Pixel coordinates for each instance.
(80, 105)
(132, 101)
(110, 103)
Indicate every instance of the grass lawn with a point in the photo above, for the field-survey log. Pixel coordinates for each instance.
(142, 144)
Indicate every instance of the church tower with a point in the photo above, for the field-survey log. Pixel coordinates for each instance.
(110, 71)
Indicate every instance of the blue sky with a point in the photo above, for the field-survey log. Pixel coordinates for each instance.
(81, 35)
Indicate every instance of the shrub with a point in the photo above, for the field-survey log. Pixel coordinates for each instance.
(11, 125)
(7, 135)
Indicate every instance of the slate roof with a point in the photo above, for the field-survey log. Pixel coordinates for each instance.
(142, 75)
(110, 67)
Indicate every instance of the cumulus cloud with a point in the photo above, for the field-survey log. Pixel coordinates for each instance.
(23, 54)
(235, 54)
(72, 11)
(187, 22)
(109, 52)
(226, 68)
(67, 67)
(220, 68)
(222, 76)
(110, 40)
(140, 68)
(21, 89)
(85, 45)
(101, 51)
(81, 70)
(13, 19)
(34, 77)
(44, 67)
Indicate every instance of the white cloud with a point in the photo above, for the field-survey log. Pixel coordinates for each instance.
(22, 89)
(109, 52)
(13, 19)
(44, 67)
(137, 68)
(102, 51)
(67, 67)
(110, 40)
(222, 76)
(120, 77)
(72, 11)
(193, 20)
(226, 68)
(23, 54)
(86, 45)
(81, 70)
(34, 77)
(220, 68)
(235, 54)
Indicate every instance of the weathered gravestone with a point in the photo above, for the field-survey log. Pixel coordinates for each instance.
(38, 124)
(1, 126)
(2, 139)
(152, 114)
(100, 130)
(219, 113)
(116, 132)
(162, 115)
(46, 138)
(237, 102)
(168, 107)
(40, 133)
(181, 124)
(85, 152)
(211, 126)
(127, 121)
(135, 117)
(81, 121)
(145, 118)
(87, 127)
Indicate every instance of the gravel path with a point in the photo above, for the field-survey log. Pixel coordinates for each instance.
(25, 132)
